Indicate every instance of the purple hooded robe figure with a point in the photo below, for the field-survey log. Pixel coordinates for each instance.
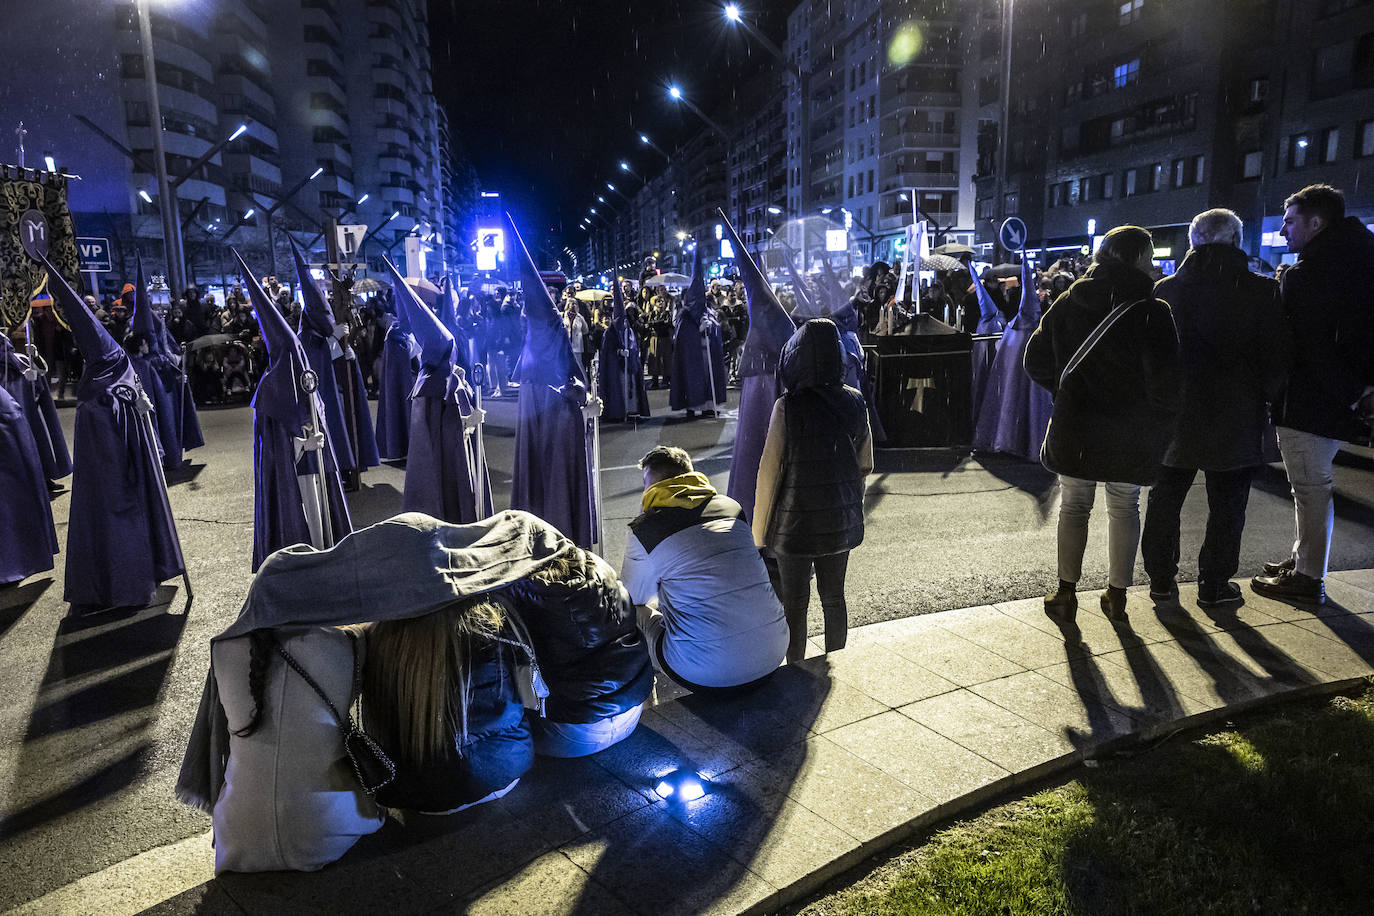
(287, 508)
(159, 371)
(552, 472)
(28, 385)
(770, 327)
(454, 315)
(121, 538)
(395, 382)
(329, 357)
(28, 539)
(622, 374)
(990, 321)
(1015, 412)
(699, 378)
(441, 471)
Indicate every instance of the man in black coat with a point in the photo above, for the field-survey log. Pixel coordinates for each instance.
(1331, 314)
(1234, 344)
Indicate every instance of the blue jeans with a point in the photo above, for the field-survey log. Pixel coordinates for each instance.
(1308, 459)
(568, 739)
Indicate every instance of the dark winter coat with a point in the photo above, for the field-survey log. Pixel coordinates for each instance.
(1116, 418)
(1331, 316)
(590, 653)
(818, 507)
(1234, 345)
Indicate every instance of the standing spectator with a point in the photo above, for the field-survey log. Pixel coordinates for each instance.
(809, 501)
(1331, 385)
(1114, 407)
(1234, 348)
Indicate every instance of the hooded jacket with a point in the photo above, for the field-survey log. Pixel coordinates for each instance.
(1331, 317)
(1116, 417)
(811, 477)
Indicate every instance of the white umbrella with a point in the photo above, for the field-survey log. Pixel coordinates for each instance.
(669, 279)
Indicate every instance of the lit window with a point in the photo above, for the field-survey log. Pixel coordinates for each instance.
(1297, 150)
(1366, 139)
(1130, 11)
(1127, 73)
(1252, 164)
(1331, 139)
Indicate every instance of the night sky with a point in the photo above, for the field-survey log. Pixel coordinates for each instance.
(547, 96)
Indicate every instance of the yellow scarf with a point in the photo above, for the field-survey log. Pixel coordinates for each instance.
(685, 491)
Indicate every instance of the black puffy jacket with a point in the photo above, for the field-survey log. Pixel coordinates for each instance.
(590, 652)
(819, 506)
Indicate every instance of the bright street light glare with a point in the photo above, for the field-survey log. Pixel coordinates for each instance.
(238, 132)
(775, 210)
(593, 210)
(609, 186)
(825, 211)
(50, 163)
(675, 92)
(491, 194)
(394, 214)
(732, 12)
(317, 173)
(643, 139)
(363, 199)
(248, 214)
(144, 194)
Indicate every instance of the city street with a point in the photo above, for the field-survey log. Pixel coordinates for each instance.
(97, 710)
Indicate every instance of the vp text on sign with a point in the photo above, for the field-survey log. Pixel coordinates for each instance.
(94, 255)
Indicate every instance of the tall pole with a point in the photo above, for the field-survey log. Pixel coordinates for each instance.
(352, 479)
(1004, 131)
(171, 228)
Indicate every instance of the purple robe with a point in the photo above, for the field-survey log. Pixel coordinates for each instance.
(699, 376)
(395, 381)
(121, 538)
(441, 472)
(552, 473)
(770, 328)
(34, 398)
(984, 351)
(621, 383)
(178, 427)
(281, 411)
(28, 539)
(1015, 412)
(329, 359)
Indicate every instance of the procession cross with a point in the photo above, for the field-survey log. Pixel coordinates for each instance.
(21, 133)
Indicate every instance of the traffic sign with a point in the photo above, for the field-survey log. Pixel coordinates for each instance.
(94, 255)
(1012, 233)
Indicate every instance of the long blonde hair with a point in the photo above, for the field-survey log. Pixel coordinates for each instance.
(417, 679)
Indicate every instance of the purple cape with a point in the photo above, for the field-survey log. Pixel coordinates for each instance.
(281, 411)
(27, 537)
(769, 330)
(621, 383)
(698, 358)
(441, 466)
(989, 322)
(551, 476)
(178, 426)
(316, 337)
(35, 400)
(121, 539)
(1015, 412)
(395, 381)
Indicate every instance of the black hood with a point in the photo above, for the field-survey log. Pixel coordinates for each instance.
(813, 357)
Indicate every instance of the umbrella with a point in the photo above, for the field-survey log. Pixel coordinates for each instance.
(954, 250)
(668, 279)
(210, 340)
(940, 262)
(1003, 271)
(593, 295)
(367, 285)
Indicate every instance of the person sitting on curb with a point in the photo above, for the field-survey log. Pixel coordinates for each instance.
(705, 602)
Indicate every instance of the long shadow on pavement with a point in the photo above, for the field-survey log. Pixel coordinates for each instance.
(15, 602)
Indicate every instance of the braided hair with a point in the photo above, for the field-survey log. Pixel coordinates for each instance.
(262, 646)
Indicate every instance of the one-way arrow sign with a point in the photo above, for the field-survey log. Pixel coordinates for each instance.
(1012, 233)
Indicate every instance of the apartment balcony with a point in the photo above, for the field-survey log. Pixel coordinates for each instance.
(396, 164)
(926, 181)
(919, 140)
(899, 221)
(914, 98)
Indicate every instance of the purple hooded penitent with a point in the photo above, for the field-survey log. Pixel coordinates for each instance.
(552, 472)
(441, 470)
(453, 314)
(1015, 412)
(281, 413)
(699, 378)
(769, 330)
(27, 537)
(28, 385)
(178, 427)
(622, 373)
(121, 540)
(324, 353)
(984, 351)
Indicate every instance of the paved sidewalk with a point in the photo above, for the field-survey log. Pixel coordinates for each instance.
(832, 761)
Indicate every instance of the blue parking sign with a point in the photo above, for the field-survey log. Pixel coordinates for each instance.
(94, 255)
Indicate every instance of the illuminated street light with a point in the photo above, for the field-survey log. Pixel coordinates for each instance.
(677, 96)
(50, 162)
(675, 92)
(363, 199)
(238, 132)
(776, 211)
(644, 139)
(317, 173)
(144, 194)
(248, 214)
(732, 12)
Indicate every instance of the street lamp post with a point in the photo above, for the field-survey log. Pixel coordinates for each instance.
(675, 93)
(171, 235)
(644, 138)
(1004, 131)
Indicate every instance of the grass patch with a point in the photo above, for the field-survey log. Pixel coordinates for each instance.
(1272, 816)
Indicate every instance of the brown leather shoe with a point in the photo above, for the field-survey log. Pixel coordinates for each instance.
(1290, 585)
(1062, 605)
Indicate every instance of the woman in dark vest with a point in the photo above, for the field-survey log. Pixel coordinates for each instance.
(809, 505)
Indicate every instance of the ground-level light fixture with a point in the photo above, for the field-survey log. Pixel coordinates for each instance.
(681, 786)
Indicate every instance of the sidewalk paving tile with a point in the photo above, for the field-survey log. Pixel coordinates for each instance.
(855, 796)
(1011, 638)
(988, 730)
(660, 745)
(1090, 632)
(1205, 672)
(1360, 578)
(1083, 720)
(1272, 668)
(952, 657)
(930, 763)
(1349, 596)
(888, 630)
(208, 899)
(1328, 656)
(880, 673)
(763, 828)
(569, 797)
(1131, 680)
(1355, 630)
(550, 884)
(659, 866)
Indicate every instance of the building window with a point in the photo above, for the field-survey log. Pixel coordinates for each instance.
(1157, 177)
(1012, 203)
(1078, 25)
(1057, 194)
(1130, 11)
(1125, 74)
(1298, 146)
(1259, 90)
(1108, 186)
(1251, 164)
(870, 181)
(1365, 147)
(1085, 190)
(1331, 141)
(1130, 183)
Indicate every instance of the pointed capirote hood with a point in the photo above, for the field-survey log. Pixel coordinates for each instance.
(103, 356)
(770, 327)
(987, 309)
(436, 343)
(276, 333)
(279, 394)
(453, 313)
(694, 299)
(143, 320)
(806, 306)
(317, 314)
(547, 357)
(1029, 312)
(617, 301)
